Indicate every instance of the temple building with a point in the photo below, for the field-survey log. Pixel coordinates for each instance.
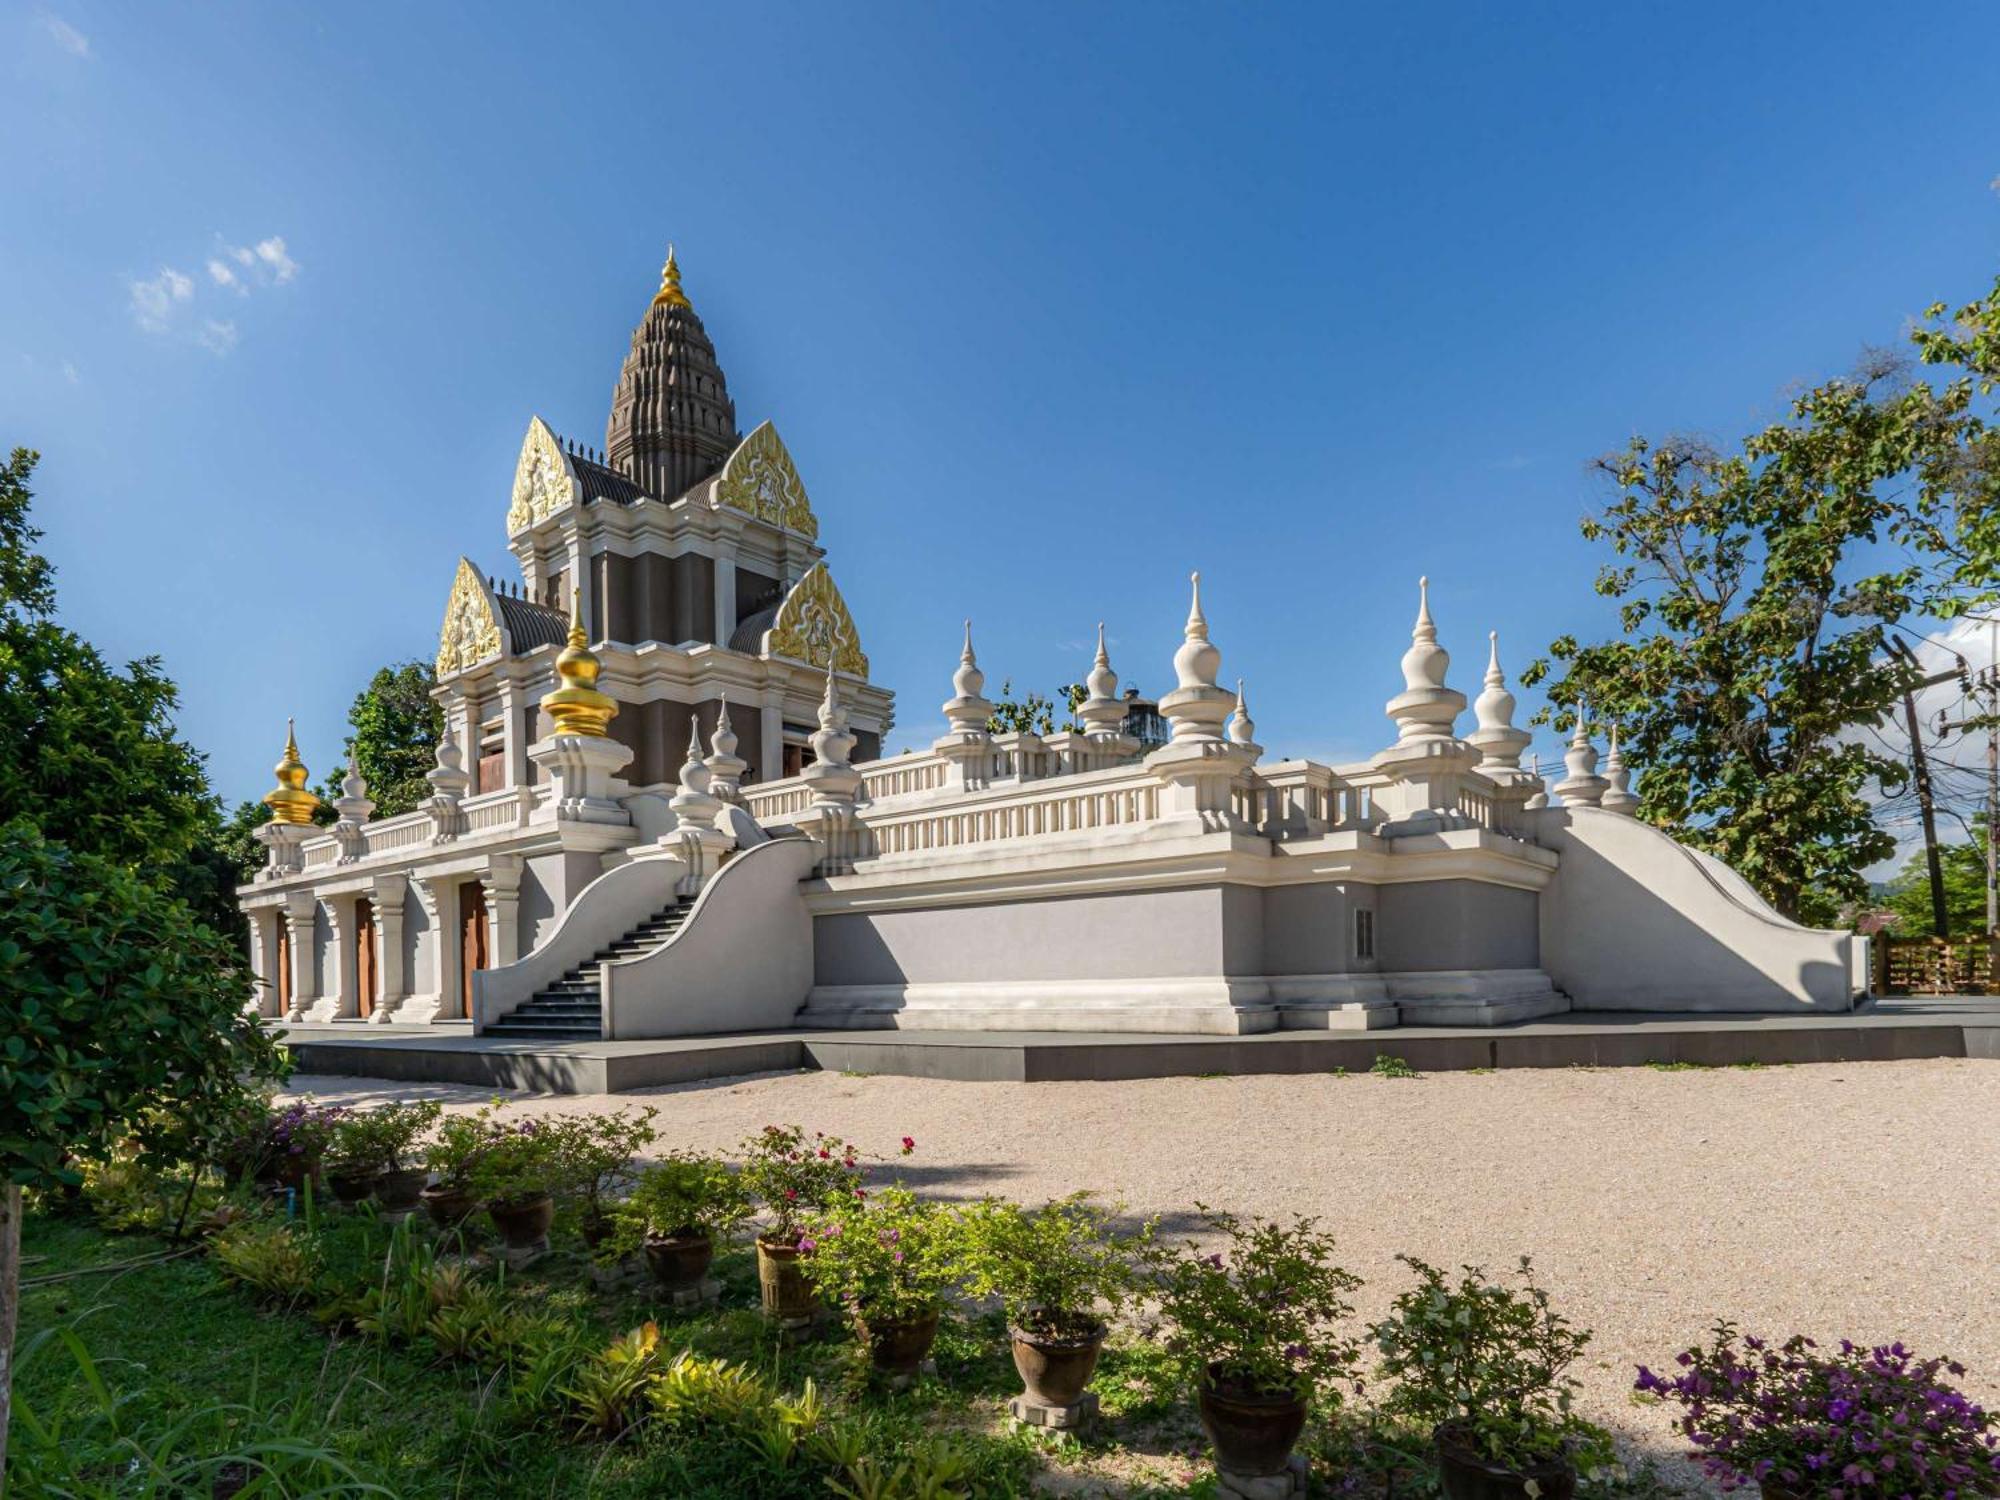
(660, 809)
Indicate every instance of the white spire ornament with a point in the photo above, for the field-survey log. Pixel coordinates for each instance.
(354, 808)
(1102, 712)
(1242, 728)
(725, 766)
(967, 710)
(1200, 764)
(1499, 743)
(1426, 709)
(1197, 707)
(1618, 796)
(1582, 787)
(1426, 766)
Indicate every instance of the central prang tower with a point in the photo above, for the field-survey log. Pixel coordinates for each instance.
(672, 422)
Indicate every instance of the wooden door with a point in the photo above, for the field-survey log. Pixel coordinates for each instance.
(284, 961)
(366, 979)
(474, 942)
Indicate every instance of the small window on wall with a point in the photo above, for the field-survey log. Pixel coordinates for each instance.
(1364, 934)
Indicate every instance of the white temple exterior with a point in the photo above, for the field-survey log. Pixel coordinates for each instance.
(660, 811)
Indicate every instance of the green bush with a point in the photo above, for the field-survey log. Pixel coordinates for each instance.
(1060, 1270)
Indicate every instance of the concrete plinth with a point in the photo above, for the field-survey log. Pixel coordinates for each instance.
(904, 1382)
(1072, 1418)
(519, 1260)
(1288, 1485)
(708, 1294)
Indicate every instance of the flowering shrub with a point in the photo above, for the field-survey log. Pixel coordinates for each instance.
(1846, 1425)
(595, 1156)
(1484, 1361)
(794, 1175)
(376, 1140)
(303, 1130)
(1058, 1269)
(460, 1140)
(1264, 1313)
(685, 1195)
(884, 1261)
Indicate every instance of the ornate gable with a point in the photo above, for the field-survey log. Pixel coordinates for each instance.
(760, 480)
(812, 620)
(544, 479)
(471, 632)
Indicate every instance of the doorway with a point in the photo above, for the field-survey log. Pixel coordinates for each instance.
(366, 978)
(284, 963)
(474, 940)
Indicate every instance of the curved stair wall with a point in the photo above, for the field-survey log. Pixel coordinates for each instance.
(604, 911)
(742, 961)
(1635, 921)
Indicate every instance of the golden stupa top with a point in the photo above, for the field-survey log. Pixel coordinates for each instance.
(670, 284)
(289, 800)
(577, 706)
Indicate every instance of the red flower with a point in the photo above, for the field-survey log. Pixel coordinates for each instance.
(909, 1145)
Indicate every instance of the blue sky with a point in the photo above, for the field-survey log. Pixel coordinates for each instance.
(1051, 303)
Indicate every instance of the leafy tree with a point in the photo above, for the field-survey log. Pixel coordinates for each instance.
(88, 753)
(1034, 714)
(1759, 590)
(396, 724)
(1964, 869)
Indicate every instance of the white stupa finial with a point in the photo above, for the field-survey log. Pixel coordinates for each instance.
(1101, 713)
(1197, 661)
(832, 742)
(1197, 707)
(1500, 744)
(1618, 795)
(723, 741)
(1242, 728)
(1426, 710)
(1425, 663)
(967, 710)
(725, 766)
(1582, 786)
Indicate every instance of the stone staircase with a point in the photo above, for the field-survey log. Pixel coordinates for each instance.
(569, 1010)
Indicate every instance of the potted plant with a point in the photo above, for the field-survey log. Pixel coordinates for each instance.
(515, 1174)
(596, 1154)
(1256, 1330)
(1482, 1366)
(794, 1175)
(374, 1146)
(451, 1200)
(888, 1263)
(1800, 1421)
(1059, 1272)
(297, 1140)
(680, 1206)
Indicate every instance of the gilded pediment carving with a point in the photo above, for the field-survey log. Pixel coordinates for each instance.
(543, 481)
(813, 620)
(471, 632)
(761, 480)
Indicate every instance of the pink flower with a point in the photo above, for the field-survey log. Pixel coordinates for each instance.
(909, 1145)
(792, 1194)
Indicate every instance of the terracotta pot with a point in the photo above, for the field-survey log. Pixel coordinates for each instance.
(449, 1207)
(524, 1224)
(783, 1287)
(350, 1188)
(400, 1191)
(679, 1261)
(1055, 1371)
(897, 1346)
(1252, 1433)
(1467, 1474)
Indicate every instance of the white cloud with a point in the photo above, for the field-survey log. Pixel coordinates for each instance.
(218, 335)
(221, 275)
(154, 300)
(66, 36)
(272, 253)
(70, 373)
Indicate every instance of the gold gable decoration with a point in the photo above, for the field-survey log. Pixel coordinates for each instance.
(471, 631)
(761, 480)
(543, 483)
(813, 620)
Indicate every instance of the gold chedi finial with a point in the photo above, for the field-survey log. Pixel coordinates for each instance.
(289, 800)
(670, 284)
(577, 706)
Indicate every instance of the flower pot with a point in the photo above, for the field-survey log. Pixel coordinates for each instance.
(399, 1191)
(782, 1286)
(350, 1187)
(1252, 1433)
(449, 1207)
(523, 1223)
(1054, 1371)
(1467, 1474)
(896, 1346)
(295, 1171)
(679, 1261)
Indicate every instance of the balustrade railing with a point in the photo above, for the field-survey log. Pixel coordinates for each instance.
(1075, 804)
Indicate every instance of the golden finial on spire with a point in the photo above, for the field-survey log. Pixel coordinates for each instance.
(577, 706)
(289, 800)
(670, 283)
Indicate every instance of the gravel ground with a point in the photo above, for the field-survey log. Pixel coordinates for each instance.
(1850, 1200)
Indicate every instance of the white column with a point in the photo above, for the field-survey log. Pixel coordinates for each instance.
(725, 592)
(516, 742)
(340, 920)
(299, 912)
(502, 879)
(263, 924)
(388, 897)
(439, 894)
(773, 761)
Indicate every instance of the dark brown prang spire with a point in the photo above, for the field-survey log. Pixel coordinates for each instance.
(672, 422)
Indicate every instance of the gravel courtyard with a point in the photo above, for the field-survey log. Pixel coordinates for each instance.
(1856, 1200)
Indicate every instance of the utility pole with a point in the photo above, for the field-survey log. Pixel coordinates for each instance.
(1986, 684)
(1921, 773)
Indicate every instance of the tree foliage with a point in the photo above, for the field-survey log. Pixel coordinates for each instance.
(395, 725)
(1759, 590)
(1963, 867)
(1034, 713)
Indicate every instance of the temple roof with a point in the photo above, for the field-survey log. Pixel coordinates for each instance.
(530, 625)
(672, 422)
